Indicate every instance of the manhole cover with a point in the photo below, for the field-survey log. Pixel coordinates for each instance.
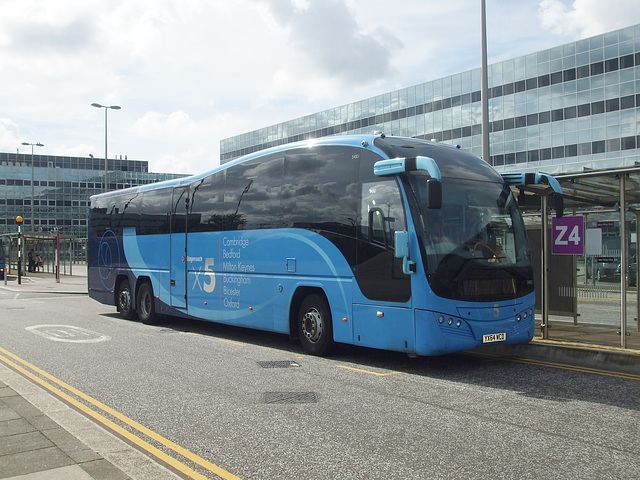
(278, 364)
(290, 397)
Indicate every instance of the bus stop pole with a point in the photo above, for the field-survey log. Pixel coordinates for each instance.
(623, 263)
(57, 256)
(637, 273)
(19, 220)
(545, 268)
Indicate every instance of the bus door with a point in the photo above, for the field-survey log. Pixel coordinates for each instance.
(178, 277)
(384, 317)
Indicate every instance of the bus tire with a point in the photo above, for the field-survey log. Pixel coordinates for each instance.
(146, 304)
(314, 325)
(123, 300)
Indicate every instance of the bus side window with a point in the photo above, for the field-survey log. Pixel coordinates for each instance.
(381, 212)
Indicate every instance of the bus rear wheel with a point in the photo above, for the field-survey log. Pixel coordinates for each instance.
(123, 300)
(146, 304)
(314, 325)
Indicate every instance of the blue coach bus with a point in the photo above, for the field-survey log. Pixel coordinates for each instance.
(385, 242)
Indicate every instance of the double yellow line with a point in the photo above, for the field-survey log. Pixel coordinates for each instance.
(559, 366)
(36, 375)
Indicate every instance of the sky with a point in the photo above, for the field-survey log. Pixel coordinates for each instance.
(188, 73)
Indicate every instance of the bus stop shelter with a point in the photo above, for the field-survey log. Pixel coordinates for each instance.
(58, 253)
(609, 203)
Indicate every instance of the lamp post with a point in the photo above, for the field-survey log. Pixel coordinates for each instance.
(32, 145)
(106, 171)
(486, 148)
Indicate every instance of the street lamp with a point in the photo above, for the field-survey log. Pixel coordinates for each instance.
(486, 147)
(32, 145)
(106, 108)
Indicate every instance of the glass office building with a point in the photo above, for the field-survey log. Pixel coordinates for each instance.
(61, 189)
(559, 110)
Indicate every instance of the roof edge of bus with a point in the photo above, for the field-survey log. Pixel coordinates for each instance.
(360, 140)
(363, 141)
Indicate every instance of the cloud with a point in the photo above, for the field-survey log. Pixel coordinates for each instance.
(585, 18)
(328, 40)
(9, 135)
(52, 38)
(166, 127)
(30, 27)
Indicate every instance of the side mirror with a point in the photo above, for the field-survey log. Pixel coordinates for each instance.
(402, 251)
(402, 244)
(434, 194)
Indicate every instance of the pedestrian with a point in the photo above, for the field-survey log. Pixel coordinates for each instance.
(30, 265)
(37, 263)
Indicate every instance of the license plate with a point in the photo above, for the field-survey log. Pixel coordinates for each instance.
(494, 337)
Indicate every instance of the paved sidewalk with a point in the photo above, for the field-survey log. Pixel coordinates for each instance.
(40, 282)
(41, 438)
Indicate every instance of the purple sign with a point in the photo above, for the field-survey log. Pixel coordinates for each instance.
(567, 234)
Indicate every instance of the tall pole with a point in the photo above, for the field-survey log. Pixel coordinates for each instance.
(623, 262)
(486, 151)
(19, 220)
(637, 279)
(33, 229)
(106, 157)
(545, 269)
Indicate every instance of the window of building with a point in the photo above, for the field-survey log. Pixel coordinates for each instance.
(598, 147)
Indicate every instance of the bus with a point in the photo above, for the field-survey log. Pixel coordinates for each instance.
(379, 241)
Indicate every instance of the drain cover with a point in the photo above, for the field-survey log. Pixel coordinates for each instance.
(290, 397)
(278, 364)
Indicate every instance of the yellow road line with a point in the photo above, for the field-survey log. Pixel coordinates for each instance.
(493, 357)
(179, 466)
(231, 342)
(369, 371)
(561, 366)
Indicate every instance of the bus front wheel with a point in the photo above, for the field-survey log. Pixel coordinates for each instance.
(123, 300)
(314, 325)
(146, 304)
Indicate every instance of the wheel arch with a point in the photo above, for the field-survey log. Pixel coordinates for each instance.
(142, 279)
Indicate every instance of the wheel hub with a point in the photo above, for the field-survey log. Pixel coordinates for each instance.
(125, 299)
(312, 325)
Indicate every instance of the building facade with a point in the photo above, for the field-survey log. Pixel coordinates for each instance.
(558, 110)
(61, 189)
